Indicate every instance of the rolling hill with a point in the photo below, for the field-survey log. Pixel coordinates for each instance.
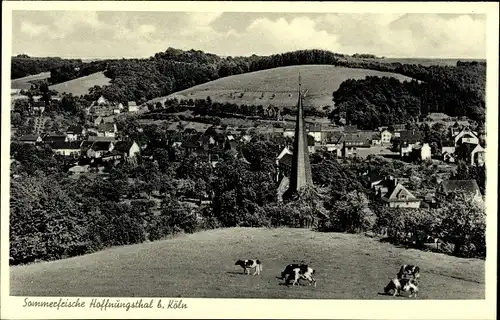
(24, 83)
(347, 267)
(278, 86)
(80, 86)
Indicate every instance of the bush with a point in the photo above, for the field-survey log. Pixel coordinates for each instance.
(464, 225)
(350, 214)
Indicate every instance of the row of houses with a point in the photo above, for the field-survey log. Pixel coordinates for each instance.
(105, 108)
(392, 193)
(93, 147)
(73, 133)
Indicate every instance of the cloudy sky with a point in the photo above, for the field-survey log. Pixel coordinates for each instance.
(87, 34)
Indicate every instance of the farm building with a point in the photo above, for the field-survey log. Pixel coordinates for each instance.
(72, 148)
(30, 139)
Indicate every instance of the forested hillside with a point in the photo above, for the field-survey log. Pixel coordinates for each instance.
(455, 90)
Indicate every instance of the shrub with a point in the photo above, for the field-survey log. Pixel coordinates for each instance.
(349, 214)
(464, 225)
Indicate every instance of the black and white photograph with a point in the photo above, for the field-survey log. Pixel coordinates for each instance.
(254, 155)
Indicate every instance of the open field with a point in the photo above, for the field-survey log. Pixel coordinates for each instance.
(24, 82)
(202, 265)
(259, 87)
(81, 86)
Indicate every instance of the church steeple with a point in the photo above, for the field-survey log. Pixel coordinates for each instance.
(300, 174)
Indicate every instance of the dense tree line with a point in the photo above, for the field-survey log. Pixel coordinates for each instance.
(207, 107)
(23, 65)
(374, 101)
(174, 70)
(75, 69)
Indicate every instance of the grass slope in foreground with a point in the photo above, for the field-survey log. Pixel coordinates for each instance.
(81, 86)
(202, 265)
(258, 87)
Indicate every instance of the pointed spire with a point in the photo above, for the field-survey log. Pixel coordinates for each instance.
(300, 175)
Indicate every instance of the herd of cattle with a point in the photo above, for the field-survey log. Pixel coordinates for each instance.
(293, 273)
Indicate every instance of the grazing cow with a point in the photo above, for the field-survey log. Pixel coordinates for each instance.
(289, 269)
(402, 285)
(249, 264)
(409, 270)
(301, 272)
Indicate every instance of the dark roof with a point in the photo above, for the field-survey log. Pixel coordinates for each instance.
(123, 146)
(101, 145)
(466, 148)
(75, 129)
(193, 140)
(39, 104)
(98, 138)
(469, 186)
(59, 145)
(357, 138)
(286, 160)
(411, 136)
(351, 128)
(29, 137)
(334, 137)
(87, 144)
(374, 176)
(51, 138)
(314, 128)
(106, 126)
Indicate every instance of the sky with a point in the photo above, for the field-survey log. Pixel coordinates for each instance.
(107, 34)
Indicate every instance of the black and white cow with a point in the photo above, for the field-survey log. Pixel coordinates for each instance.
(402, 285)
(294, 272)
(409, 270)
(250, 264)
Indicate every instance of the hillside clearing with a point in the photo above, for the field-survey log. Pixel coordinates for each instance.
(278, 86)
(202, 265)
(81, 86)
(24, 82)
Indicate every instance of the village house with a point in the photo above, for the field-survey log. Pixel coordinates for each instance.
(398, 128)
(97, 138)
(38, 107)
(352, 141)
(393, 194)
(132, 106)
(466, 136)
(469, 187)
(101, 101)
(128, 149)
(99, 148)
(55, 137)
(448, 151)
(63, 148)
(437, 117)
(117, 109)
(474, 155)
(30, 139)
(107, 130)
(377, 140)
(408, 139)
(77, 170)
(385, 137)
(316, 132)
(421, 152)
(75, 132)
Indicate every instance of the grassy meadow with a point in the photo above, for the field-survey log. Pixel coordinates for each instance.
(259, 87)
(80, 86)
(24, 82)
(202, 265)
